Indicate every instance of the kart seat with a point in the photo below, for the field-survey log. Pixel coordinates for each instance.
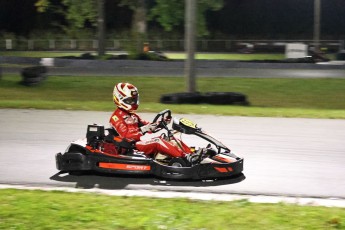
(112, 131)
(123, 145)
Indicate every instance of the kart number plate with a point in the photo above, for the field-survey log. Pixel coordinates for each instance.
(188, 123)
(93, 129)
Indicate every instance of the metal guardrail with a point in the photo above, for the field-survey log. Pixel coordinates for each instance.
(163, 45)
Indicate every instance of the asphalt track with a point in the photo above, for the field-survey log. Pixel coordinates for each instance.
(203, 72)
(204, 68)
(283, 156)
(178, 72)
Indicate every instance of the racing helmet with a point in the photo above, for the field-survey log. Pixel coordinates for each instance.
(126, 96)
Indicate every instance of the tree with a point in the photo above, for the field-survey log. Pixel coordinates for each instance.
(139, 24)
(79, 14)
(171, 13)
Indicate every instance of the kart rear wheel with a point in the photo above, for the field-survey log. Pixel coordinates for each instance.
(179, 162)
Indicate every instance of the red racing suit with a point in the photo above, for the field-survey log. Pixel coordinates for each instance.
(128, 125)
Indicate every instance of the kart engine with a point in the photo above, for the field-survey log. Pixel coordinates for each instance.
(94, 135)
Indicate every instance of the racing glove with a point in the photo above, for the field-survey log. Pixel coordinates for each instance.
(168, 120)
(148, 128)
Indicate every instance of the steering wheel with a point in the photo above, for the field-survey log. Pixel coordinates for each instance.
(161, 119)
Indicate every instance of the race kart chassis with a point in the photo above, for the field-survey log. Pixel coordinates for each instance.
(88, 161)
(86, 155)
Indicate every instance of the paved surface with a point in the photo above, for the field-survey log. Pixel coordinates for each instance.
(214, 72)
(178, 72)
(204, 68)
(283, 156)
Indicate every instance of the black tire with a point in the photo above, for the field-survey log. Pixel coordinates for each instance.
(32, 81)
(179, 162)
(34, 71)
(341, 56)
(181, 98)
(72, 162)
(75, 157)
(33, 75)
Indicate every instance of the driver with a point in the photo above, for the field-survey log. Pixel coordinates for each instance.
(129, 125)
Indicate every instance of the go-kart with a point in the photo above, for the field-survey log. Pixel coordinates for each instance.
(90, 155)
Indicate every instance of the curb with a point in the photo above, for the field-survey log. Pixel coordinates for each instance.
(305, 201)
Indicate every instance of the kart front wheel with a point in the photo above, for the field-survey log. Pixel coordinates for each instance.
(179, 162)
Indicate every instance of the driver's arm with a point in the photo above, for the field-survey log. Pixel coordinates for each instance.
(145, 126)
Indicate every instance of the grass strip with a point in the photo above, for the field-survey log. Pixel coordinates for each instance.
(180, 109)
(312, 98)
(26, 209)
(170, 55)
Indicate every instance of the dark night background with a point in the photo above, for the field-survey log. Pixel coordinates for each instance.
(254, 19)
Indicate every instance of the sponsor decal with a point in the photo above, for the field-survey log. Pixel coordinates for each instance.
(153, 140)
(224, 170)
(123, 129)
(129, 167)
(188, 123)
(115, 118)
(131, 120)
(137, 167)
(224, 159)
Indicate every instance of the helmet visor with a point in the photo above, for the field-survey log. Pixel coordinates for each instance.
(131, 100)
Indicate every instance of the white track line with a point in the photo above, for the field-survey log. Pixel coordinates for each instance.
(327, 202)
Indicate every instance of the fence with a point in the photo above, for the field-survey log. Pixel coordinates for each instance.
(162, 45)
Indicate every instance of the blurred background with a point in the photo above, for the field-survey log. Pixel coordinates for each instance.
(222, 25)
